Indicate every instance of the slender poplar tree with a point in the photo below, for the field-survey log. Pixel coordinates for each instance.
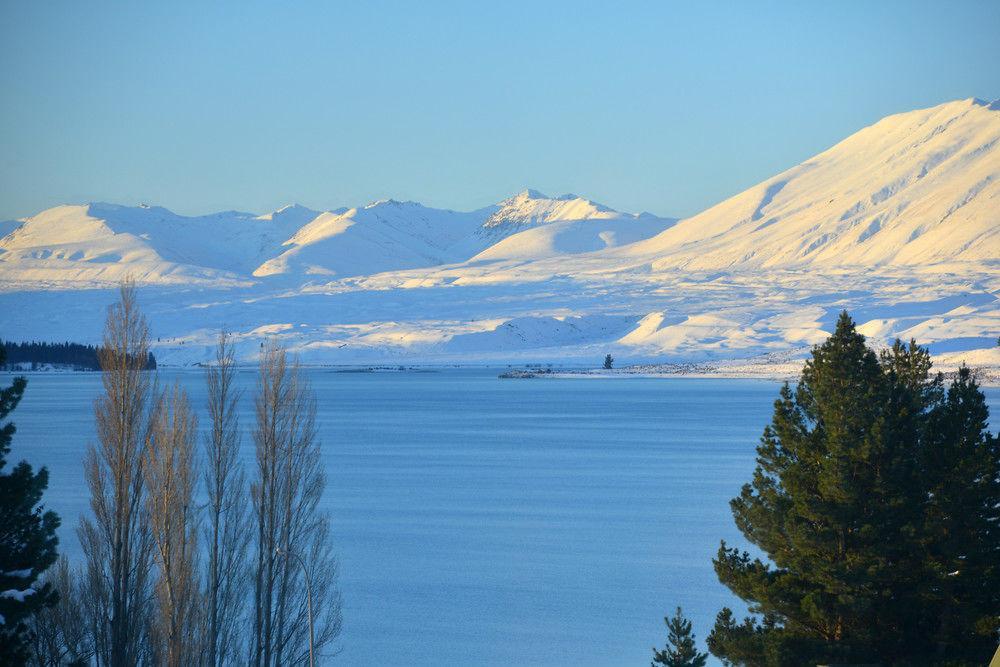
(295, 569)
(171, 473)
(117, 540)
(228, 530)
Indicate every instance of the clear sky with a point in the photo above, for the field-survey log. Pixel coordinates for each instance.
(665, 107)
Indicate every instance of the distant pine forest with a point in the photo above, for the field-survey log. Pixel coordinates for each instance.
(34, 356)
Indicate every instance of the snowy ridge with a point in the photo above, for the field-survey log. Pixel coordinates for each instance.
(531, 225)
(531, 207)
(913, 189)
(381, 236)
(898, 223)
(98, 244)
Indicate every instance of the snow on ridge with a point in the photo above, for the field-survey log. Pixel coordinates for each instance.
(290, 214)
(381, 236)
(389, 202)
(99, 243)
(896, 223)
(912, 189)
(531, 207)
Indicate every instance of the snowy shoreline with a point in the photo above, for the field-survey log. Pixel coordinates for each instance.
(988, 376)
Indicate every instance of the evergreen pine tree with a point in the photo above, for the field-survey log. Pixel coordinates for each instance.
(27, 539)
(680, 650)
(807, 509)
(875, 499)
(608, 362)
(961, 530)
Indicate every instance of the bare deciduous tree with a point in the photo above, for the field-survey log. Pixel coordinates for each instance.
(228, 530)
(142, 476)
(61, 633)
(117, 540)
(171, 474)
(286, 494)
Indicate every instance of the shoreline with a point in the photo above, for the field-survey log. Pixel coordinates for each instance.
(987, 376)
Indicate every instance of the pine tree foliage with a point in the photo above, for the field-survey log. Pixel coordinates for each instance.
(961, 531)
(681, 650)
(27, 539)
(875, 500)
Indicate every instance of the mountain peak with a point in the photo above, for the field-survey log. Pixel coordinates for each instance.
(101, 209)
(292, 215)
(392, 203)
(287, 208)
(530, 193)
(531, 207)
(382, 202)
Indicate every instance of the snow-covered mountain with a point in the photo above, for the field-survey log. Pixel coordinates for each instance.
(94, 244)
(101, 243)
(382, 236)
(897, 223)
(914, 189)
(531, 207)
(531, 225)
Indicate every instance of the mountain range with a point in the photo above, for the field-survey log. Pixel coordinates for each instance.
(900, 223)
(98, 243)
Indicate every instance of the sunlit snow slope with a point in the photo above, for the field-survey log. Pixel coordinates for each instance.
(913, 189)
(95, 244)
(898, 223)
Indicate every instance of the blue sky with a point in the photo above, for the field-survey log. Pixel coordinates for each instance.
(665, 107)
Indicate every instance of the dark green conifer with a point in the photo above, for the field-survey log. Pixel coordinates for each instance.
(27, 539)
(681, 650)
(872, 490)
(961, 531)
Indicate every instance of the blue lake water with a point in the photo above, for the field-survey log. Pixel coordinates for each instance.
(493, 522)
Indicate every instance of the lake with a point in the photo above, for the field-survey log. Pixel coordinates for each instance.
(481, 521)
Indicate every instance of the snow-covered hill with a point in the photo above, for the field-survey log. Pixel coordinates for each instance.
(531, 207)
(531, 225)
(381, 236)
(98, 244)
(914, 189)
(897, 223)
(101, 243)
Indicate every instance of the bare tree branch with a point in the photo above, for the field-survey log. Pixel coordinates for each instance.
(61, 632)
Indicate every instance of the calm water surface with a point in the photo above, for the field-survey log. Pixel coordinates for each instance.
(486, 521)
